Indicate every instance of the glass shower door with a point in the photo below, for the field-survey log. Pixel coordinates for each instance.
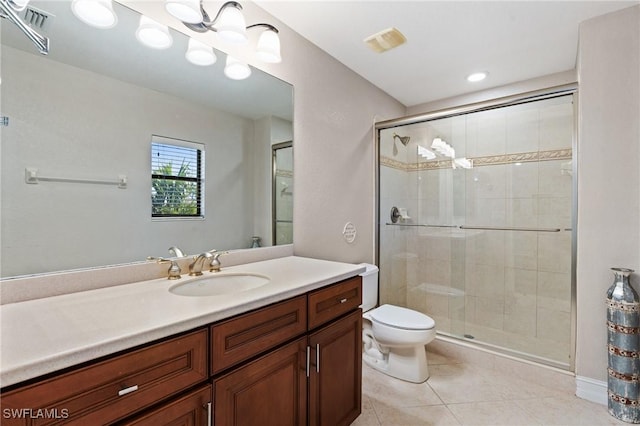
(482, 241)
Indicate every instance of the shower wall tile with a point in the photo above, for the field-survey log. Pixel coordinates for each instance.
(487, 212)
(486, 133)
(487, 182)
(522, 129)
(490, 281)
(436, 243)
(490, 313)
(521, 180)
(521, 322)
(487, 248)
(554, 252)
(548, 325)
(520, 289)
(554, 291)
(556, 126)
(436, 304)
(522, 212)
(435, 272)
(554, 212)
(521, 250)
(554, 179)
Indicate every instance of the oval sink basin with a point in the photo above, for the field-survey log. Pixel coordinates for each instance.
(213, 285)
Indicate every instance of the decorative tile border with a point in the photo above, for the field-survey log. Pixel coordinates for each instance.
(524, 157)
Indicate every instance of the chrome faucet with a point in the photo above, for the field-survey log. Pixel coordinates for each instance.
(195, 268)
(176, 252)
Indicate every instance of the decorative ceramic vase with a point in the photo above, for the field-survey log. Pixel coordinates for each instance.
(623, 344)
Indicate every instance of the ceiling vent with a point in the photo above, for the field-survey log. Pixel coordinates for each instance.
(385, 40)
(36, 18)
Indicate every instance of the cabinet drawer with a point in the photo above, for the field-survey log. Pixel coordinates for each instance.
(194, 408)
(112, 389)
(333, 301)
(249, 334)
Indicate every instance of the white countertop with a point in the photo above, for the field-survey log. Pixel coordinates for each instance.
(45, 335)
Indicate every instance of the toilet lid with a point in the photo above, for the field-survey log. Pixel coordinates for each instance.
(407, 319)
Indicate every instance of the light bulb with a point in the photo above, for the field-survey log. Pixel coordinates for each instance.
(199, 53)
(231, 25)
(152, 34)
(97, 13)
(185, 10)
(268, 48)
(235, 69)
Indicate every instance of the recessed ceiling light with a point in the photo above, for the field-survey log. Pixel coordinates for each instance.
(477, 76)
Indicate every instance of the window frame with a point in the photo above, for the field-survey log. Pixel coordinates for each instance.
(199, 179)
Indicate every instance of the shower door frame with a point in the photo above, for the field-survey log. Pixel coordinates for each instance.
(531, 96)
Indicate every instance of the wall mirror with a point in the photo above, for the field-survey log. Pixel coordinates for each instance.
(88, 111)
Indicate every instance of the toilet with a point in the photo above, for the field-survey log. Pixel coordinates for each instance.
(393, 337)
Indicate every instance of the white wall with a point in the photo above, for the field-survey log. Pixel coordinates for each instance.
(608, 177)
(107, 126)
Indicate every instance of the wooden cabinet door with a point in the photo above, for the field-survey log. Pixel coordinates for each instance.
(192, 409)
(271, 390)
(335, 380)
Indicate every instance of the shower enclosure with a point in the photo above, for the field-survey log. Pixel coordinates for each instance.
(476, 222)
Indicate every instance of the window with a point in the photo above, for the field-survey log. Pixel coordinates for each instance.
(177, 178)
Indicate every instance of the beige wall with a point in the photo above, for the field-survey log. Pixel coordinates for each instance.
(608, 178)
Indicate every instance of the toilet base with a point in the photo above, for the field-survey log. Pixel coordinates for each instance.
(404, 363)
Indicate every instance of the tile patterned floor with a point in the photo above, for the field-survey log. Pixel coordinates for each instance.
(462, 394)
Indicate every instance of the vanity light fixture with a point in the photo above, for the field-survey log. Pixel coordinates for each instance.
(199, 53)
(228, 23)
(152, 34)
(477, 76)
(97, 13)
(236, 69)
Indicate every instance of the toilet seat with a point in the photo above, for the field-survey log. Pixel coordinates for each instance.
(401, 318)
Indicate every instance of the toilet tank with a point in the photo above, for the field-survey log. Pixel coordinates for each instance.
(369, 287)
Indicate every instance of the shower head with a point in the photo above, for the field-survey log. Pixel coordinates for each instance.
(404, 139)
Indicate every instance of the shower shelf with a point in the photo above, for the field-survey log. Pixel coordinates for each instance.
(483, 228)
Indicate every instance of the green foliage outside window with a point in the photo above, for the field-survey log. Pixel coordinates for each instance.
(174, 194)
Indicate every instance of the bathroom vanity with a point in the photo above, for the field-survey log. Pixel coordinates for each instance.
(288, 352)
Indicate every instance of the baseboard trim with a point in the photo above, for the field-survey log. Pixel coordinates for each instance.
(592, 390)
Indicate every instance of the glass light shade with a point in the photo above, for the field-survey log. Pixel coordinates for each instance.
(236, 70)
(97, 13)
(268, 48)
(185, 10)
(152, 34)
(18, 5)
(231, 25)
(199, 53)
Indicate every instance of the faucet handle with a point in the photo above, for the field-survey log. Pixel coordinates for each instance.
(173, 273)
(215, 262)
